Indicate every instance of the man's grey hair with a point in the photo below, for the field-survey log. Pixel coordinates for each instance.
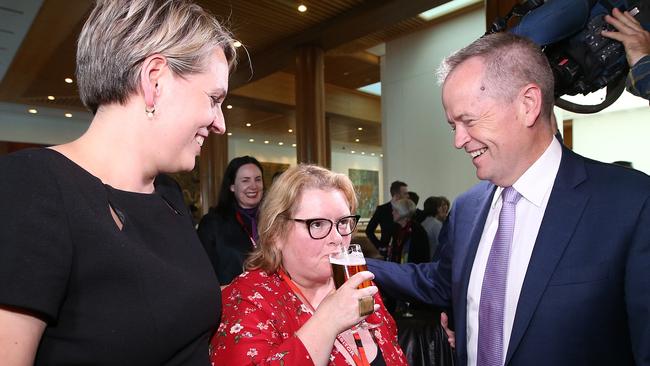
(119, 35)
(510, 63)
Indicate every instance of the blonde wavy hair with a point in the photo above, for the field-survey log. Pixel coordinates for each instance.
(281, 202)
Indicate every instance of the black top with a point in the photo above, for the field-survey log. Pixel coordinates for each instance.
(227, 243)
(383, 217)
(144, 295)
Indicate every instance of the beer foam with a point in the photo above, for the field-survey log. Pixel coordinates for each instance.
(352, 259)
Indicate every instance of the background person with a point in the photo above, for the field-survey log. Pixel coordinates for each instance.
(229, 230)
(435, 210)
(284, 310)
(574, 276)
(99, 261)
(383, 217)
(410, 243)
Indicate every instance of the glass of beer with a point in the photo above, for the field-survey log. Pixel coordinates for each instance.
(345, 264)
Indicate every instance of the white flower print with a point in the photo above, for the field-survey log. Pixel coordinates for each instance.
(251, 352)
(236, 328)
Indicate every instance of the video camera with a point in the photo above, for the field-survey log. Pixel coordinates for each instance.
(568, 31)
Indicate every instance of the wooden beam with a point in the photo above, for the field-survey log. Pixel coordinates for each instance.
(365, 19)
(279, 89)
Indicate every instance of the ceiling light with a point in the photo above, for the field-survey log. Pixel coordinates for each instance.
(229, 106)
(346, 73)
(293, 145)
(229, 133)
(363, 153)
(356, 140)
(266, 141)
(68, 115)
(302, 8)
(446, 8)
(280, 143)
(32, 111)
(352, 151)
(373, 154)
(290, 130)
(50, 97)
(251, 140)
(248, 125)
(68, 80)
(381, 155)
(236, 44)
(360, 128)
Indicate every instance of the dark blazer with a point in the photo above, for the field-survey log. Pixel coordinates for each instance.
(226, 243)
(585, 299)
(383, 217)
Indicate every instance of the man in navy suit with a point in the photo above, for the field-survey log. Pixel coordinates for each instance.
(576, 287)
(383, 217)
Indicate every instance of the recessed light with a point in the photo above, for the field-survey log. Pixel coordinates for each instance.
(373, 154)
(280, 143)
(290, 130)
(356, 140)
(251, 140)
(50, 97)
(381, 155)
(248, 125)
(229, 106)
(266, 141)
(32, 111)
(346, 73)
(68, 115)
(352, 152)
(68, 80)
(363, 153)
(236, 44)
(302, 8)
(229, 133)
(293, 145)
(360, 128)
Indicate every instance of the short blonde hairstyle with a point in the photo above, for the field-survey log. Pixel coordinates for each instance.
(120, 34)
(281, 202)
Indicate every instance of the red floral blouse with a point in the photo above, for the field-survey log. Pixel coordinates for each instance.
(260, 316)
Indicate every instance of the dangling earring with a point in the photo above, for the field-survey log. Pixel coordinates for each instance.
(150, 112)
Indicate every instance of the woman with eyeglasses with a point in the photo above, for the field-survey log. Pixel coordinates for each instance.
(284, 310)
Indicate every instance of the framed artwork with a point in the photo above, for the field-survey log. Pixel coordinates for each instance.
(366, 184)
(269, 170)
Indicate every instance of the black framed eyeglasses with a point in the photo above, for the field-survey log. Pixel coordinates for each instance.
(319, 228)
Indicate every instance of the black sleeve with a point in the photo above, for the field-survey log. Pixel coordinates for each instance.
(370, 229)
(207, 231)
(35, 244)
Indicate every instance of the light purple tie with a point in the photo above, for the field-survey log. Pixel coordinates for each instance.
(493, 291)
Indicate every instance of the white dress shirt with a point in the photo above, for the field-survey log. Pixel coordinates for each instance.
(535, 187)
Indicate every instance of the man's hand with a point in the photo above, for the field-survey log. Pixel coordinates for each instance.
(635, 39)
(451, 335)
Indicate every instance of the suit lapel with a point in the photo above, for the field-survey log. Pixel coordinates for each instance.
(475, 213)
(563, 212)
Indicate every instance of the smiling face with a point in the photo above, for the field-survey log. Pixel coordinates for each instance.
(248, 187)
(490, 129)
(187, 110)
(307, 259)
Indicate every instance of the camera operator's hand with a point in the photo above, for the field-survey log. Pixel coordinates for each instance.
(635, 39)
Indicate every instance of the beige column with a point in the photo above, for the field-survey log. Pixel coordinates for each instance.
(212, 165)
(312, 133)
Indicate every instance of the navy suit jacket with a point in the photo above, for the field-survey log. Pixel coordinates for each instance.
(585, 299)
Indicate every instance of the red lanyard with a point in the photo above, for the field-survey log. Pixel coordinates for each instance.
(363, 361)
(243, 225)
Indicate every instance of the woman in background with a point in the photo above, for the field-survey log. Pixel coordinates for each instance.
(99, 261)
(284, 310)
(435, 211)
(229, 231)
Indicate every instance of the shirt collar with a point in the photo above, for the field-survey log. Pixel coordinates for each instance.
(538, 179)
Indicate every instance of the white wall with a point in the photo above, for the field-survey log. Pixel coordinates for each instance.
(620, 135)
(418, 144)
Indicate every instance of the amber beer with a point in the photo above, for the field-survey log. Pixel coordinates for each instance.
(346, 265)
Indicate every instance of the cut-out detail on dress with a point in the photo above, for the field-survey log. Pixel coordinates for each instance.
(117, 216)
